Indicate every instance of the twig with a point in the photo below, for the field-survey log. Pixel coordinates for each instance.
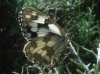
(79, 59)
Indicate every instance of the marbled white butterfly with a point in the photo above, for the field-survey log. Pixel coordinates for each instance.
(45, 37)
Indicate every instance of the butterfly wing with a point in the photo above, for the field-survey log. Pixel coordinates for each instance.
(47, 37)
(44, 49)
(35, 24)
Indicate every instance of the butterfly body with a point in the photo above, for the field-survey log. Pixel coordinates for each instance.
(45, 37)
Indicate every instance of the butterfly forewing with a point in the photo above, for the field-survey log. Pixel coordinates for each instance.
(35, 24)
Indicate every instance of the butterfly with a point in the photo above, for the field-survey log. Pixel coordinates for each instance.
(45, 37)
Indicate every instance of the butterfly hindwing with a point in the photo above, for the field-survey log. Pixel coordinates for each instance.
(44, 49)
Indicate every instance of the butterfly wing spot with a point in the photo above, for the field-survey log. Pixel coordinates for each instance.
(43, 32)
(55, 38)
(21, 12)
(31, 24)
(27, 16)
(40, 51)
(20, 24)
(54, 29)
(41, 44)
(44, 53)
(31, 48)
(34, 29)
(37, 48)
(51, 43)
(34, 13)
(40, 19)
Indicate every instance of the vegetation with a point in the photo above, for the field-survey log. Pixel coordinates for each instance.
(79, 18)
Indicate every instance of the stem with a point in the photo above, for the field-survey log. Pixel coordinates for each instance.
(79, 59)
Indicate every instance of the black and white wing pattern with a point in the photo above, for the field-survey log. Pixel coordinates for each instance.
(45, 37)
